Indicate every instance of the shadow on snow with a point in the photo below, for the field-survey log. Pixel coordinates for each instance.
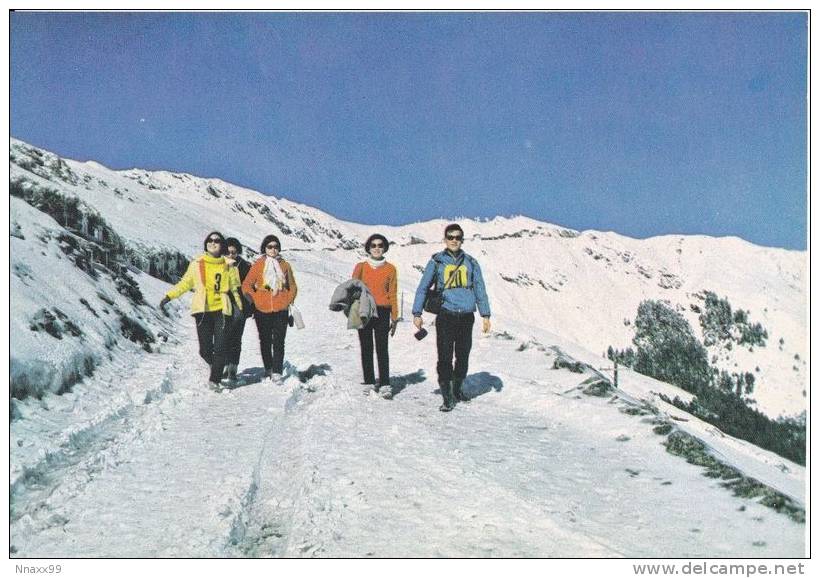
(480, 383)
(399, 383)
(253, 375)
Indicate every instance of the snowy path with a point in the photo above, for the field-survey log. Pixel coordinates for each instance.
(489, 480)
(315, 468)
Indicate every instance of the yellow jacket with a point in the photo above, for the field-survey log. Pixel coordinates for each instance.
(210, 278)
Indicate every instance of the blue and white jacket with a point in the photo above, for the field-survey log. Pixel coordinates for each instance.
(465, 289)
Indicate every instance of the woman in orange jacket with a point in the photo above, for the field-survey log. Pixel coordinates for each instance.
(272, 286)
(381, 279)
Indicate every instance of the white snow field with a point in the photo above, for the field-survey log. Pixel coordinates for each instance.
(139, 459)
(583, 286)
(529, 467)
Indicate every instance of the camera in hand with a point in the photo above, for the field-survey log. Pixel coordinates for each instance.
(420, 334)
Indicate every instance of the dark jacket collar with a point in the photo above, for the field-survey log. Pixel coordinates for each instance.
(454, 257)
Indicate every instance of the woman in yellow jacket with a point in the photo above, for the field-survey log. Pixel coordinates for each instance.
(272, 286)
(216, 299)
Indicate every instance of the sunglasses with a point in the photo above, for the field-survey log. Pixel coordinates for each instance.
(232, 251)
(454, 237)
(216, 240)
(272, 246)
(376, 246)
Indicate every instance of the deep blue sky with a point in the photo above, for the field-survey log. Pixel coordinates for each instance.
(640, 123)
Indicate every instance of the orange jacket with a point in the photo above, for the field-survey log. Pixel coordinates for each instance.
(263, 297)
(382, 282)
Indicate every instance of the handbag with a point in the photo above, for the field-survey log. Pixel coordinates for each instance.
(297, 317)
(433, 298)
(433, 301)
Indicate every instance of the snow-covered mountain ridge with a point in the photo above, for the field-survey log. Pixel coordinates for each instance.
(583, 286)
(137, 459)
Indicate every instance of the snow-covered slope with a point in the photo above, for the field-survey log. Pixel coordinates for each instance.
(68, 315)
(530, 467)
(582, 286)
(139, 460)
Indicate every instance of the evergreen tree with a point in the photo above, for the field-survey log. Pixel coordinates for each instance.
(667, 348)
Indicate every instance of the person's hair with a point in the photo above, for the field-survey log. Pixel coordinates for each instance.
(453, 227)
(221, 236)
(372, 238)
(268, 239)
(233, 242)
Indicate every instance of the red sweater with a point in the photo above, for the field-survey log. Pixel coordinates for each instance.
(382, 283)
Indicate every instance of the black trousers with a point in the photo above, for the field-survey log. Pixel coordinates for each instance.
(454, 335)
(236, 328)
(272, 330)
(211, 331)
(380, 328)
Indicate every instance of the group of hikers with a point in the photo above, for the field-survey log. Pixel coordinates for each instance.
(228, 290)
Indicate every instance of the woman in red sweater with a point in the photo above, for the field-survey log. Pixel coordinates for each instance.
(272, 286)
(381, 279)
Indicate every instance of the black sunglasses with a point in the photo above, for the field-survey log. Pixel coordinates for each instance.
(271, 246)
(376, 246)
(454, 237)
(216, 240)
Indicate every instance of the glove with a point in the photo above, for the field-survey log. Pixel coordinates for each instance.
(165, 301)
(393, 325)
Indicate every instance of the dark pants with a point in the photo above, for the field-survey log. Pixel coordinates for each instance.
(272, 329)
(454, 334)
(236, 328)
(210, 329)
(380, 327)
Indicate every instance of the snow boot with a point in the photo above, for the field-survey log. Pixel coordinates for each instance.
(213, 386)
(229, 376)
(458, 391)
(447, 393)
(235, 379)
(386, 391)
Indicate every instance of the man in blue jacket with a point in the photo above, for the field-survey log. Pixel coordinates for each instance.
(458, 276)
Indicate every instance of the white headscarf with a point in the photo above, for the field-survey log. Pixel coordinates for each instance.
(273, 275)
